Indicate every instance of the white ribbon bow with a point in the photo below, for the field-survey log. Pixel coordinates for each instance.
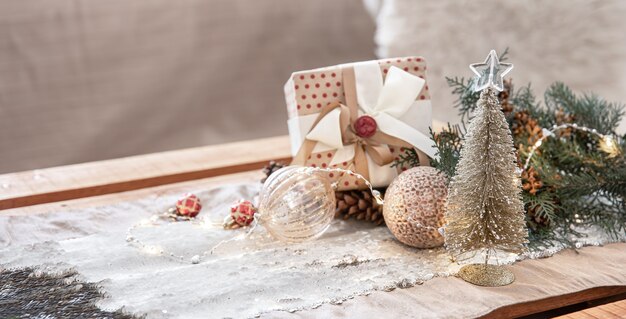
(387, 103)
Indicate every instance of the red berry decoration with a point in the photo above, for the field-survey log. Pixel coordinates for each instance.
(365, 126)
(242, 212)
(189, 205)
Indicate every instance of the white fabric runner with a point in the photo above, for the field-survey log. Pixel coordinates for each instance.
(246, 278)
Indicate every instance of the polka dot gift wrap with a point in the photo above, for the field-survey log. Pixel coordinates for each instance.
(361, 117)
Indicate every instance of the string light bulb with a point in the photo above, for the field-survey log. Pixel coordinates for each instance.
(609, 145)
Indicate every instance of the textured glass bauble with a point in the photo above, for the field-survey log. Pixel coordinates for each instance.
(414, 207)
(296, 204)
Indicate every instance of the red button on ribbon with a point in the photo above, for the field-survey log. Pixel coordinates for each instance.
(365, 126)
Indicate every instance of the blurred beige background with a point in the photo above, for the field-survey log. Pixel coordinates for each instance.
(89, 80)
(84, 80)
(579, 42)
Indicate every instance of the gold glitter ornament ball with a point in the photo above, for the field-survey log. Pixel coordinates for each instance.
(296, 204)
(414, 207)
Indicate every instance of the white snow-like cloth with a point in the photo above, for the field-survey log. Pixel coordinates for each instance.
(253, 276)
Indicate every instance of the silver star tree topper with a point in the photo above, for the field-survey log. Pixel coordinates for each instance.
(490, 73)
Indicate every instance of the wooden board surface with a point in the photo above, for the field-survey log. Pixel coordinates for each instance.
(108, 199)
(613, 310)
(137, 172)
(542, 305)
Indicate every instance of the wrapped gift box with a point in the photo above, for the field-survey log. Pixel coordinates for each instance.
(361, 117)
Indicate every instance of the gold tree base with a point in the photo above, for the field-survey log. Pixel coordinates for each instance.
(486, 275)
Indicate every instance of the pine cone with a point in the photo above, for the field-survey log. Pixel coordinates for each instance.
(519, 119)
(270, 168)
(535, 220)
(531, 182)
(359, 204)
(525, 126)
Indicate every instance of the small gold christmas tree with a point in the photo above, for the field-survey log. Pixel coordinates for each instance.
(485, 212)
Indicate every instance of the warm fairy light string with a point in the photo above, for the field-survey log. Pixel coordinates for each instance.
(609, 141)
(374, 192)
(255, 222)
(158, 250)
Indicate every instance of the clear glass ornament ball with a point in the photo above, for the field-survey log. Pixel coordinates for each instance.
(296, 204)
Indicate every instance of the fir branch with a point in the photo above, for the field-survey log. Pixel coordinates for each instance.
(543, 204)
(409, 158)
(524, 99)
(467, 98)
(505, 55)
(598, 209)
(589, 110)
(587, 183)
(574, 154)
(615, 181)
(448, 143)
